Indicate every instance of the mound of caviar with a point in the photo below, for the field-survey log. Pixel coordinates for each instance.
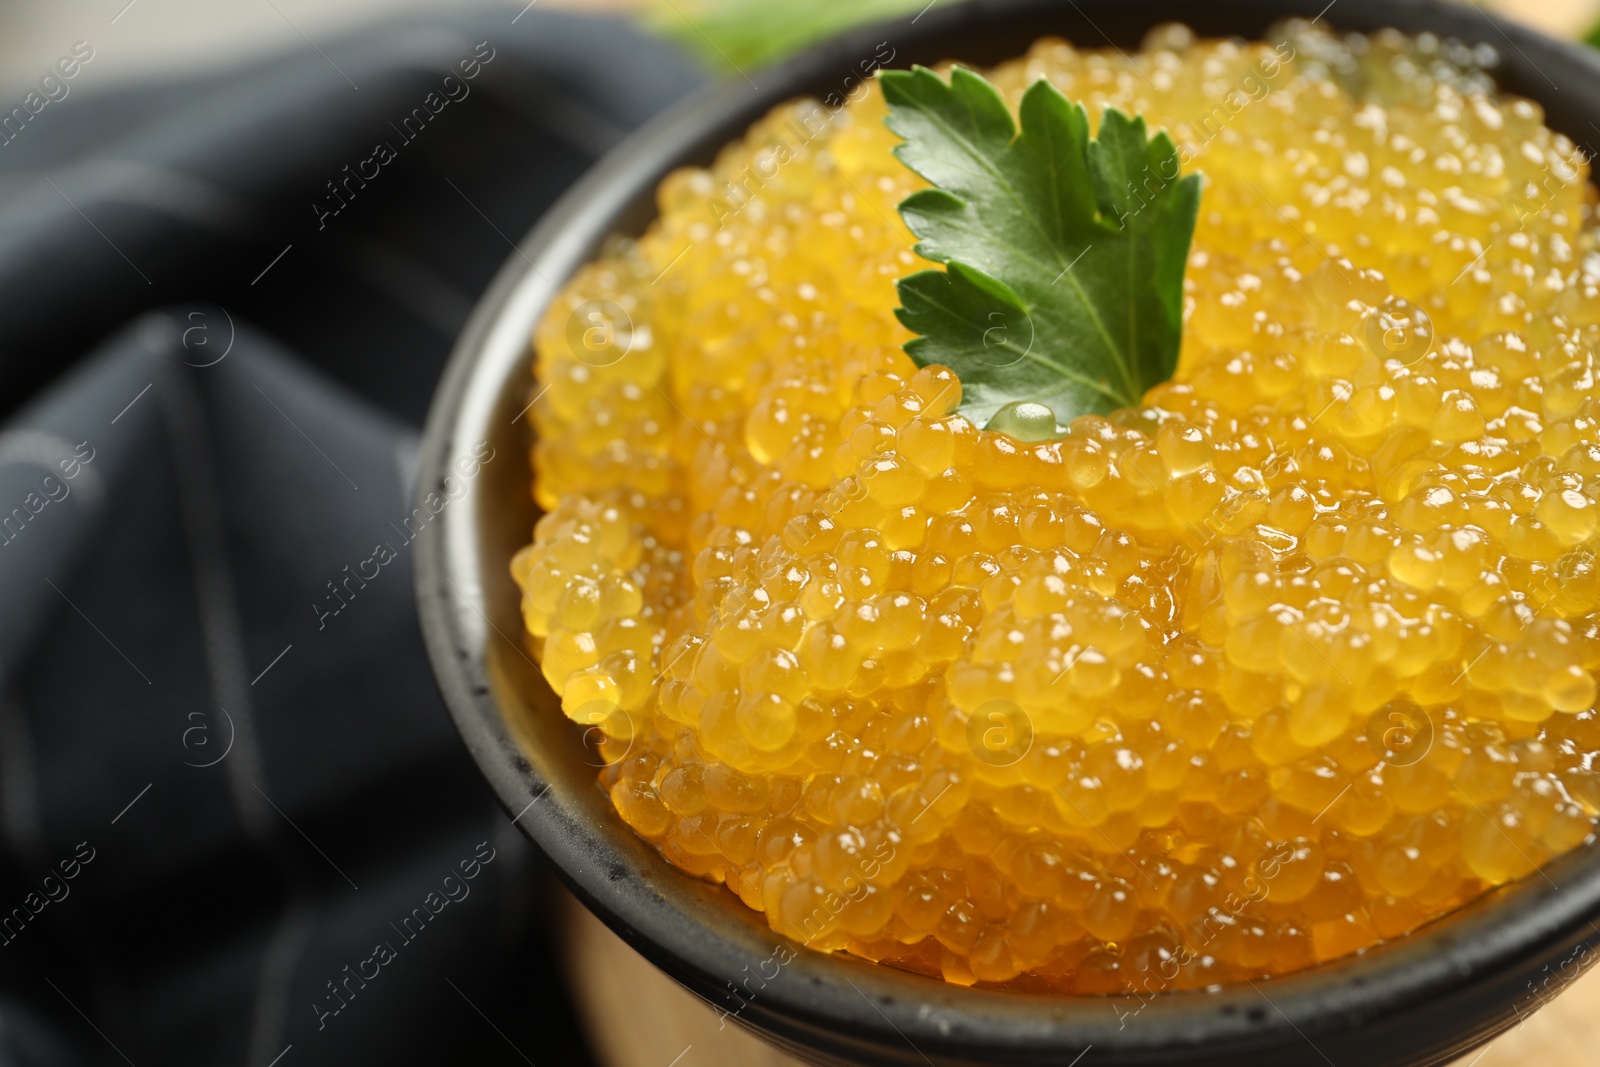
(1290, 659)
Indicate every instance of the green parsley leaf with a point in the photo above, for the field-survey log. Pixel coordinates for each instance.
(1064, 256)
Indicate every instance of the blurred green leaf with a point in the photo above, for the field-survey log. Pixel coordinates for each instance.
(730, 36)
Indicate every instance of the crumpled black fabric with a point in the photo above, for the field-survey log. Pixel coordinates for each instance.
(236, 825)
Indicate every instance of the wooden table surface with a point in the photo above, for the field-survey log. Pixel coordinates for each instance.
(637, 1017)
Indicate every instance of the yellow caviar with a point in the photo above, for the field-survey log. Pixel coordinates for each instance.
(1291, 659)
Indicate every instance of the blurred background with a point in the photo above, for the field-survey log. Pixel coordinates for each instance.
(157, 39)
(193, 693)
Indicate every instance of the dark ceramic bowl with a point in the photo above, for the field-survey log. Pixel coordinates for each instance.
(1422, 999)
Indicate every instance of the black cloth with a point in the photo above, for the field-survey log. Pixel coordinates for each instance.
(226, 777)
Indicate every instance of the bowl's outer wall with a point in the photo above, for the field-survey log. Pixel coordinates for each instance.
(1421, 1000)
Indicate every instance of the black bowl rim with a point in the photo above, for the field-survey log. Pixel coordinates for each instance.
(835, 1006)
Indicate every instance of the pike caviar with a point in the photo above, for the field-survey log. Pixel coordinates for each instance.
(1287, 661)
